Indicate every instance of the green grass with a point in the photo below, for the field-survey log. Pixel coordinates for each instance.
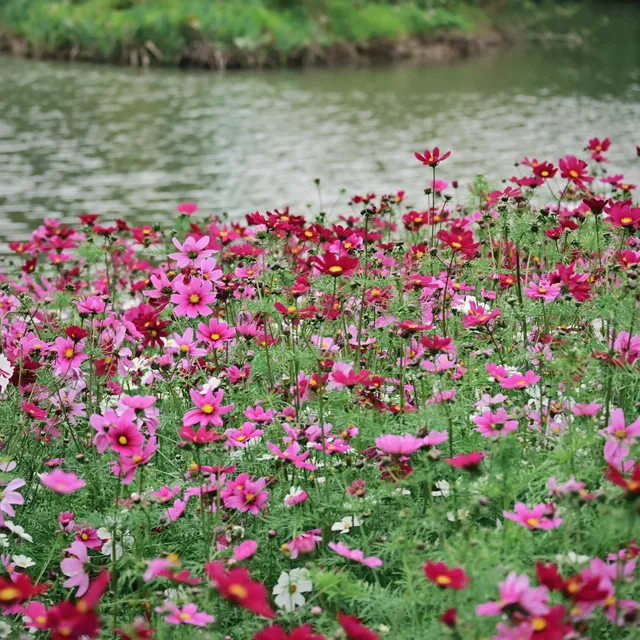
(110, 26)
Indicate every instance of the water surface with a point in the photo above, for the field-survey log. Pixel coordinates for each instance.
(127, 143)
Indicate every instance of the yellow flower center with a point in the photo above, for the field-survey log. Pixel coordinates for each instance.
(207, 408)
(533, 522)
(539, 624)
(238, 591)
(184, 348)
(573, 173)
(215, 336)
(335, 269)
(185, 616)
(194, 298)
(123, 440)
(68, 353)
(293, 588)
(626, 220)
(456, 245)
(9, 593)
(443, 580)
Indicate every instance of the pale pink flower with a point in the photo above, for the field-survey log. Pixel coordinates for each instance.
(590, 409)
(189, 614)
(61, 481)
(399, 445)
(243, 551)
(9, 497)
(190, 251)
(73, 568)
(354, 554)
(304, 543)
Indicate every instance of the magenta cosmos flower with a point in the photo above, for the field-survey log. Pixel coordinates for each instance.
(191, 299)
(355, 554)
(70, 356)
(125, 437)
(216, 333)
(245, 494)
(494, 425)
(190, 251)
(208, 409)
(61, 481)
(534, 518)
(516, 590)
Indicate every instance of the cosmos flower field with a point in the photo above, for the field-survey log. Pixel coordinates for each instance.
(416, 416)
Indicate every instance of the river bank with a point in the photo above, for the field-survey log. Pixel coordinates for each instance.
(238, 35)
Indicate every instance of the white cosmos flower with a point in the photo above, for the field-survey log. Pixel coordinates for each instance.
(442, 489)
(572, 558)
(288, 592)
(18, 530)
(5, 629)
(6, 371)
(4, 540)
(211, 385)
(345, 525)
(24, 562)
(107, 548)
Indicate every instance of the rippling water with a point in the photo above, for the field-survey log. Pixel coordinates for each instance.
(78, 138)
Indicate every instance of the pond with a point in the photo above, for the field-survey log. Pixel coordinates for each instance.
(132, 144)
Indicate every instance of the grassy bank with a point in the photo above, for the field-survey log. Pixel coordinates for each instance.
(227, 32)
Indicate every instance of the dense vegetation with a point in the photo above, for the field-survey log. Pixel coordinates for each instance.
(113, 27)
(414, 422)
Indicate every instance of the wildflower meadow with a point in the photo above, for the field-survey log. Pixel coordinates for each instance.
(415, 415)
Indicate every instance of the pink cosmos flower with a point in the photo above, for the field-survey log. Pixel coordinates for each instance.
(304, 543)
(543, 290)
(191, 299)
(590, 409)
(189, 614)
(190, 251)
(88, 536)
(619, 431)
(355, 554)
(240, 437)
(295, 496)
(535, 518)
(102, 424)
(186, 345)
(91, 306)
(157, 566)
(176, 511)
(434, 438)
(127, 466)
(257, 413)
(9, 497)
(495, 425)
(73, 568)
(187, 208)
(292, 454)
(166, 493)
(209, 408)
(216, 333)
(70, 356)
(516, 591)
(125, 437)
(243, 551)
(399, 445)
(245, 494)
(62, 482)
(519, 381)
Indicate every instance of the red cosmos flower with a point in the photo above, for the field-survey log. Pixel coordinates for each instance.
(354, 629)
(576, 587)
(236, 586)
(545, 170)
(413, 220)
(335, 266)
(19, 590)
(630, 485)
(459, 241)
(600, 146)
(595, 204)
(88, 218)
(469, 461)
(575, 170)
(76, 333)
(450, 618)
(622, 214)
(550, 626)
(432, 159)
(276, 632)
(446, 578)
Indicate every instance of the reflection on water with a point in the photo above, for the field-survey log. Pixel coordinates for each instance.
(76, 138)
